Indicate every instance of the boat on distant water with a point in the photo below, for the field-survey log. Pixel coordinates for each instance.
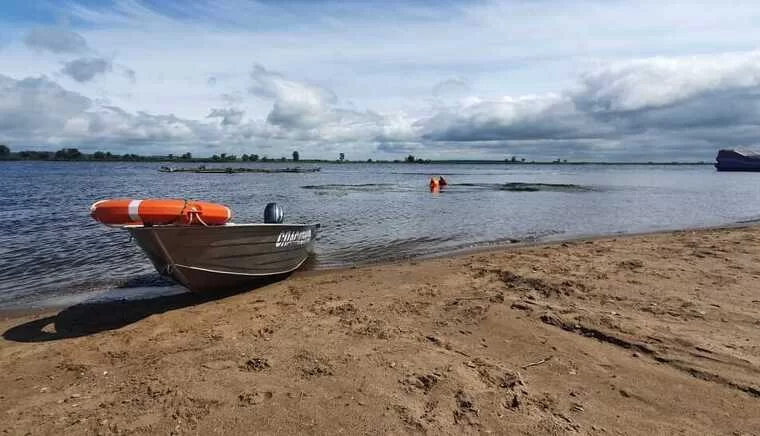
(204, 257)
(230, 170)
(737, 160)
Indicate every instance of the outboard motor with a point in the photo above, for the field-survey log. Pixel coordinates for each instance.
(273, 214)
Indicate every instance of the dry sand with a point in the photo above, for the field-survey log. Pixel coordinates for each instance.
(654, 334)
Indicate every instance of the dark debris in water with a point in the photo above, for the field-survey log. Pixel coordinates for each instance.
(340, 189)
(357, 187)
(534, 187)
(526, 187)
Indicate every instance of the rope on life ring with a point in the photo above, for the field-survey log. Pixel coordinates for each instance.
(182, 211)
(192, 214)
(197, 215)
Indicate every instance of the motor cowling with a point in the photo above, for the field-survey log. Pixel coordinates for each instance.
(273, 214)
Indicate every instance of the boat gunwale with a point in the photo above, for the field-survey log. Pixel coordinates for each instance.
(222, 226)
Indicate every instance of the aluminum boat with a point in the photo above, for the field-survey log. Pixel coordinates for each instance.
(229, 257)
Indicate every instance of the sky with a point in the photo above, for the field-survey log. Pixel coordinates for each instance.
(541, 79)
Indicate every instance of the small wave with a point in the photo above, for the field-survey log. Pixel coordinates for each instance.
(379, 251)
(748, 221)
(146, 281)
(419, 248)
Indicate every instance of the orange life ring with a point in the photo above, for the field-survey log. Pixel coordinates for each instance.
(125, 211)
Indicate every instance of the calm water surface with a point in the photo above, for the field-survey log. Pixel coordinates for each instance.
(52, 252)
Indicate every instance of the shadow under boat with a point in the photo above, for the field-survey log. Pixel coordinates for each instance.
(89, 318)
(214, 261)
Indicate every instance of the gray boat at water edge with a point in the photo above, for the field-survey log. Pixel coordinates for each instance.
(231, 257)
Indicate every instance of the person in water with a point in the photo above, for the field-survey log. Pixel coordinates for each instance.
(434, 184)
(437, 183)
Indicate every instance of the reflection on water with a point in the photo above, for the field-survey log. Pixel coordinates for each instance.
(50, 247)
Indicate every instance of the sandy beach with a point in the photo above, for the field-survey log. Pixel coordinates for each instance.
(651, 334)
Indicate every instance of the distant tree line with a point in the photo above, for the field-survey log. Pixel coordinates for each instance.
(412, 159)
(513, 159)
(74, 154)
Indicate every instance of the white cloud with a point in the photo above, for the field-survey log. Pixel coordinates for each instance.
(617, 109)
(36, 109)
(39, 111)
(302, 111)
(698, 103)
(660, 81)
(529, 117)
(297, 105)
(229, 117)
(576, 77)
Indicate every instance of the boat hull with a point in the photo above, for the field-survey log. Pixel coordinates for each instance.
(737, 166)
(732, 160)
(226, 258)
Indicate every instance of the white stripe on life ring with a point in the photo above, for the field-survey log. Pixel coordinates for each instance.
(134, 210)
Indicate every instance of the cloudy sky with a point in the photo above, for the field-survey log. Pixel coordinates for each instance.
(541, 79)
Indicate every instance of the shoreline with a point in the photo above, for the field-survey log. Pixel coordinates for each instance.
(630, 334)
(484, 248)
(555, 240)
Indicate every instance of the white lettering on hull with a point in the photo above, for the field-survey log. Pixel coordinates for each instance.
(293, 237)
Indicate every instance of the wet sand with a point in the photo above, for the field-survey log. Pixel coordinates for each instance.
(652, 334)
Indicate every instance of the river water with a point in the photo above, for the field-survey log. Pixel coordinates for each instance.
(52, 252)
